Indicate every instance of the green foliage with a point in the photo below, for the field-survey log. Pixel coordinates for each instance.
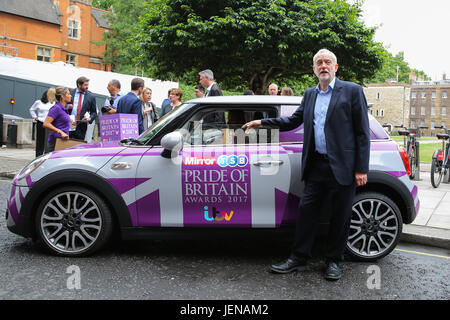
(389, 69)
(250, 43)
(102, 4)
(121, 49)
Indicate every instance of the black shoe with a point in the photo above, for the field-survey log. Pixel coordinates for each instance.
(332, 271)
(288, 266)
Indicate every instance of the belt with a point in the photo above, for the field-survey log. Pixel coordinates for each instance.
(322, 156)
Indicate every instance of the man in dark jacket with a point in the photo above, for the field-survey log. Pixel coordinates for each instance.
(82, 101)
(130, 103)
(211, 89)
(335, 160)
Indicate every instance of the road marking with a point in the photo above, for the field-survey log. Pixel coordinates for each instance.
(423, 253)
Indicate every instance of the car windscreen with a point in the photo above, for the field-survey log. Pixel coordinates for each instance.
(162, 122)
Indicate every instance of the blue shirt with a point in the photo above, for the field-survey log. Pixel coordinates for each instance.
(116, 100)
(320, 115)
(75, 103)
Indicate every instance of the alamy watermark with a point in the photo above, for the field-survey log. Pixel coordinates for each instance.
(374, 279)
(74, 280)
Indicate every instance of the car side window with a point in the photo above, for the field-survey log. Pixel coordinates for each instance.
(224, 126)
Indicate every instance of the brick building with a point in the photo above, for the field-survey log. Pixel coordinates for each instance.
(430, 105)
(390, 102)
(53, 30)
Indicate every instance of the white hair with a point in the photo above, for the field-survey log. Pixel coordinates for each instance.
(207, 74)
(327, 52)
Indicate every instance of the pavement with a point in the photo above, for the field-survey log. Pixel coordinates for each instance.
(431, 226)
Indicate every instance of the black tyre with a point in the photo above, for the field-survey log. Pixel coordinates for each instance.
(436, 172)
(413, 163)
(375, 227)
(73, 221)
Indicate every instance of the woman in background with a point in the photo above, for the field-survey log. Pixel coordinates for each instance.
(286, 91)
(148, 108)
(38, 112)
(175, 100)
(58, 119)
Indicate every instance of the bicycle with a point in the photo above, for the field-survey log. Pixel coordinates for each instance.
(440, 162)
(410, 143)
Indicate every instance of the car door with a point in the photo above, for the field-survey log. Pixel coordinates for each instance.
(231, 183)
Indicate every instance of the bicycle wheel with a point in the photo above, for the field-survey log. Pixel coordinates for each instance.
(413, 162)
(436, 172)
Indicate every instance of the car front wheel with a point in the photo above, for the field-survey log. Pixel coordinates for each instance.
(375, 227)
(73, 221)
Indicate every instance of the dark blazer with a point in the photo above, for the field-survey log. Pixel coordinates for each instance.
(217, 117)
(215, 91)
(130, 103)
(89, 105)
(347, 130)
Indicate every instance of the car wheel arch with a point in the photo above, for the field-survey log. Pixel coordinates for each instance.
(77, 177)
(393, 188)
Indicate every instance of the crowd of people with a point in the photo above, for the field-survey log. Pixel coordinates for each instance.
(64, 113)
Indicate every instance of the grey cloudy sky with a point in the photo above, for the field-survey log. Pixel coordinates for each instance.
(419, 28)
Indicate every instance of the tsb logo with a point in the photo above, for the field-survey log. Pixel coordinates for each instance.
(215, 216)
(232, 161)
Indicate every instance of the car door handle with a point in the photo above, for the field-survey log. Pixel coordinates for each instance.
(267, 162)
(121, 166)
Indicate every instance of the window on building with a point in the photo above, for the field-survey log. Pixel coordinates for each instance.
(413, 95)
(413, 111)
(70, 59)
(433, 95)
(74, 29)
(43, 54)
(444, 124)
(444, 95)
(413, 123)
(444, 111)
(433, 124)
(382, 113)
(422, 111)
(378, 96)
(433, 111)
(422, 123)
(424, 95)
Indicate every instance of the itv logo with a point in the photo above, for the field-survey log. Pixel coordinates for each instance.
(215, 215)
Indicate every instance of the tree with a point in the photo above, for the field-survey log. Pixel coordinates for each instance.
(121, 49)
(102, 4)
(255, 41)
(389, 69)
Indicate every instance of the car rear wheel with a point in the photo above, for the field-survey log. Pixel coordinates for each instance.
(375, 227)
(73, 221)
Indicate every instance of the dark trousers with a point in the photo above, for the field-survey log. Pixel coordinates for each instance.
(320, 183)
(41, 138)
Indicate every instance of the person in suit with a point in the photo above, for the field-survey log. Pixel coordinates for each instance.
(211, 90)
(82, 103)
(335, 160)
(130, 103)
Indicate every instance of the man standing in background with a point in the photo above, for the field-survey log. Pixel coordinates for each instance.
(82, 108)
(130, 103)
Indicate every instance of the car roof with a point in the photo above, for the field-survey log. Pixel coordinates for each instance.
(247, 99)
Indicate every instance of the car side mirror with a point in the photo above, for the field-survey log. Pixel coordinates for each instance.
(172, 144)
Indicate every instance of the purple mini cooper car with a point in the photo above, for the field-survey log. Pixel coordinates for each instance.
(195, 171)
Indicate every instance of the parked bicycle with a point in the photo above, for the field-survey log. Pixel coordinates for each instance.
(411, 145)
(440, 162)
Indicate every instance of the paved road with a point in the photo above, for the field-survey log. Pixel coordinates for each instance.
(211, 269)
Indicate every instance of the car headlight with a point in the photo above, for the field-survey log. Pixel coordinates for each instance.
(27, 170)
